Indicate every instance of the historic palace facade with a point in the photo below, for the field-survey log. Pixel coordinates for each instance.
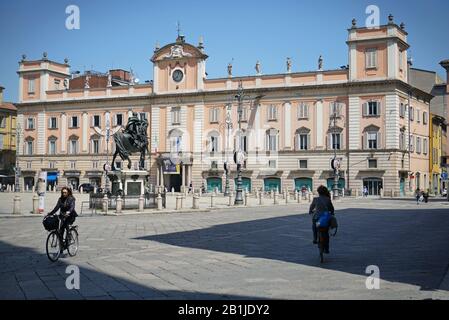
(292, 123)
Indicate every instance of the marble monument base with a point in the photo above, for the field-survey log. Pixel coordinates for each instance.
(131, 182)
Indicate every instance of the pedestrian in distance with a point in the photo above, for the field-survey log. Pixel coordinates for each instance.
(418, 196)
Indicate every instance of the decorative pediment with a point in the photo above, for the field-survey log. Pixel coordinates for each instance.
(335, 130)
(178, 51)
(73, 137)
(371, 128)
(303, 130)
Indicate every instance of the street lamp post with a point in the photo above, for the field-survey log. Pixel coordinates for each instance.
(238, 155)
(19, 132)
(227, 127)
(335, 162)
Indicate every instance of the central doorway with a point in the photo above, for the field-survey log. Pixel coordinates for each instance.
(373, 185)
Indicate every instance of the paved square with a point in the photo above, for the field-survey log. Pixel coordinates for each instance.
(243, 253)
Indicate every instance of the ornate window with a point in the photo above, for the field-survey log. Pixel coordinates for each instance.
(213, 140)
(73, 144)
(371, 137)
(175, 137)
(272, 140)
(302, 139)
(335, 138)
(52, 145)
(29, 145)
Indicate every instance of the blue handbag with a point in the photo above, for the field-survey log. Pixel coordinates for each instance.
(323, 220)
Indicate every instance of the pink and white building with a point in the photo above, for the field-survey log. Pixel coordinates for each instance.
(288, 132)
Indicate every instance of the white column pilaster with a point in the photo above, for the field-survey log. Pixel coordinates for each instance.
(63, 132)
(392, 121)
(287, 126)
(85, 131)
(354, 123)
(41, 132)
(319, 126)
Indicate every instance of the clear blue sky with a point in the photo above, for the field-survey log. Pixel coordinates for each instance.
(122, 34)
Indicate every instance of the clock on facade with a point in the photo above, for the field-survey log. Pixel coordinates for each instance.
(177, 75)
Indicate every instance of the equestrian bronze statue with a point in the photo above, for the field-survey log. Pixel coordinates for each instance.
(131, 140)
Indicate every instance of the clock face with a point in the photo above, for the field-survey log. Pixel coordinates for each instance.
(177, 75)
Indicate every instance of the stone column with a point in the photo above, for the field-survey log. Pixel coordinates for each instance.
(159, 201)
(141, 203)
(35, 204)
(275, 197)
(17, 202)
(105, 204)
(178, 202)
(119, 205)
(195, 202)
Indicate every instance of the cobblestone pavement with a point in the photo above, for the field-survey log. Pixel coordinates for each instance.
(241, 253)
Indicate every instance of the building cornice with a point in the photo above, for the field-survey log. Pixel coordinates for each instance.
(350, 88)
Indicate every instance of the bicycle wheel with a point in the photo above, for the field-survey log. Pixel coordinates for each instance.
(72, 242)
(321, 246)
(53, 246)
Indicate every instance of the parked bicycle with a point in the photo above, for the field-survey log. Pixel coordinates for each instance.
(56, 242)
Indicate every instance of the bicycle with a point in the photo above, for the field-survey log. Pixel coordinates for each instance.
(55, 245)
(323, 236)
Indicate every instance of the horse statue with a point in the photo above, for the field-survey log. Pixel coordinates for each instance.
(131, 140)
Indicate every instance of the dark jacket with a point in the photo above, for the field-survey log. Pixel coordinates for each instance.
(321, 204)
(65, 205)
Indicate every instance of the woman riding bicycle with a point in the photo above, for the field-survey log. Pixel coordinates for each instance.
(321, 204)
(66, 205)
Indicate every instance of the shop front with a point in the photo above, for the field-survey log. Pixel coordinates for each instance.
(246, 184)
(95, 177)
(214, 183)
(29, 179)
(73, 178)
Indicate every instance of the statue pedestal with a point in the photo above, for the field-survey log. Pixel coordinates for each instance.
(132, 182)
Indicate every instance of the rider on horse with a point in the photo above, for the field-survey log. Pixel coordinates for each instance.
(135, 127)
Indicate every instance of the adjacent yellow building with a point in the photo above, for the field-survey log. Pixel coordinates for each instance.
(8, 114)
(436, 144)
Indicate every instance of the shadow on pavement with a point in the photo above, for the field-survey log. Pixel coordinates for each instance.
(28, 274)
(408, 246)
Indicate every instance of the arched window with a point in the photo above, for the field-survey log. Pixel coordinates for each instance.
(52, 144)
(272, 139)
(175, 138)
(241, 140)
(29, 145)
(213, 141)
(335, 138)
(371, 137)
(302, 139)
(95, 141)
(73, 144)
